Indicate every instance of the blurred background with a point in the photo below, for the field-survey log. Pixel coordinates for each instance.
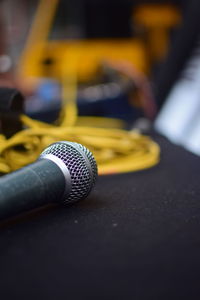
(137, 61)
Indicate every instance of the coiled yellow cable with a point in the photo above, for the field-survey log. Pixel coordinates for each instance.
(116, 150)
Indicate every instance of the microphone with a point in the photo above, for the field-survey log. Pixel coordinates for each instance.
(65, 173)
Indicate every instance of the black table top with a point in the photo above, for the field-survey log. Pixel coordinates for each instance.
(137, 236)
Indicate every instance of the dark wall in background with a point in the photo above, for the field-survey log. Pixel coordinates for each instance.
(182, 48)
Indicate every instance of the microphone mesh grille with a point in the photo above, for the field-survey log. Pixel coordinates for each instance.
(81, 165)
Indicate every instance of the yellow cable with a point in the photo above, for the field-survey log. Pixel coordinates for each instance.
(116, 150)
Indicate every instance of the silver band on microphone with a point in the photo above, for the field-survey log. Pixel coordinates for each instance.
(62, 166)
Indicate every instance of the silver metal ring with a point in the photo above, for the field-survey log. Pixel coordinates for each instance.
(62, 166)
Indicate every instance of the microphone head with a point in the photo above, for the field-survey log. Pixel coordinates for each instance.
(79, 164)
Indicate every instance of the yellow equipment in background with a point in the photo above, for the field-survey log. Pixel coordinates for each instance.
(45, 58)
(156, 21)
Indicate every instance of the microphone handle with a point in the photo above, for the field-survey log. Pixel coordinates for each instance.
(35, 185)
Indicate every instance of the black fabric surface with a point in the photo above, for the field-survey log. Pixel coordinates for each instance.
(137, 236)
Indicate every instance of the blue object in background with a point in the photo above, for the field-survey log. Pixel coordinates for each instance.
(106, 100)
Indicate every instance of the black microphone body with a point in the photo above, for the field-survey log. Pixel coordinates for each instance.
(29, 188)
(58, 176)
